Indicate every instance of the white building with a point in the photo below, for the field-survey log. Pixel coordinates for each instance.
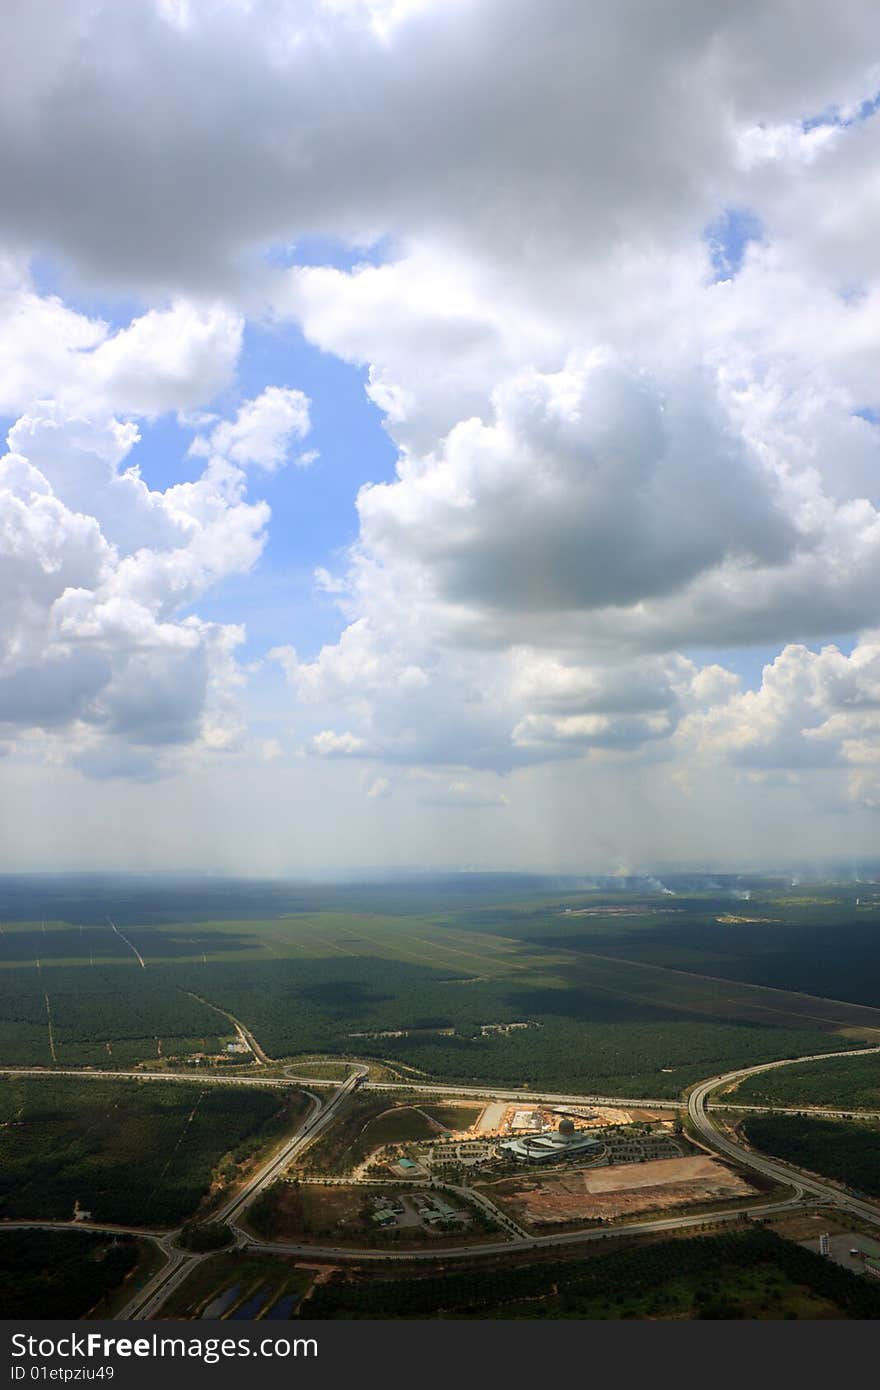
(564, 1142)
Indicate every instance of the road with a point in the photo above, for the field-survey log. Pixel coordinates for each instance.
(338, 1255)
(771, 1167)
(534, 1096)
(181, 1263)
(199, 1077)
(797, 1110)
(478, 1092)
(102, 1227)
(244, 1033)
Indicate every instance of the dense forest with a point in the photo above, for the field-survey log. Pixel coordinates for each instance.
(847, 1083)
(322, 971)
(91, 1006)
(824, 946)
(847, 1151)
(136, 1153)
(585, 1039)
(60, 1274)
(710, 1276)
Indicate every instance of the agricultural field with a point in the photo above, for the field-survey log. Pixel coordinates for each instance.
(68, 1274)
(846, 1151)
(775, 939)
(845, 1083)
(621, 992)
(752, 1273)
(133, 1153)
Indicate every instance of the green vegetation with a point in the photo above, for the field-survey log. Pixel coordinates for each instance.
(205, 1235)
(344, 1143)
(62, 1274)
(302, 1211)
(846, 1083)
(401, 1125)
(141, 1014)
(847, 1151)
(641, 996)
(136, 1153)
(751, 1273)
(319, 1067)
(454, 1117)
(822, 945)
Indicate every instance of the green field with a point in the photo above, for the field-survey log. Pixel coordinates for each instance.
(746, 1274)
(847, 1151)
(133, 1153)
(845, 1083)
(623, 993)
(345, 1143)
(401, 1125)
(453, 1117)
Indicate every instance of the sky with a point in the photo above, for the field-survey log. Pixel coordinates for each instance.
(439, 434)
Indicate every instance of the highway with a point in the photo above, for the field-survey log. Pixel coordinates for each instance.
(478, 1092)
(771, 1167)
(321, 1116)
(338, 1255)
(796, 1110)
(182, 1262)
(200, 1077)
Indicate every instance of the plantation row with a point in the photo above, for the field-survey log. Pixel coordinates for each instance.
(847, 1083)
(691, 1273)
(829, 950)
(848, 1152)
(586, 1039)
(136, 1153)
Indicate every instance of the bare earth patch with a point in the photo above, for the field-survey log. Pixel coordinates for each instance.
(621, 1190)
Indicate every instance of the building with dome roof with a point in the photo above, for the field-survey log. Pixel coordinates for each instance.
(557, 1145)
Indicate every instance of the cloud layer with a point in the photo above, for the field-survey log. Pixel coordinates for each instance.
(611, 275)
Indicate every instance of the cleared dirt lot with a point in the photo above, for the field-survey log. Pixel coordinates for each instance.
(604, 1193)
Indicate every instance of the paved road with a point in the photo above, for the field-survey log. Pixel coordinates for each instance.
(322, 1115)
(101, 1226)
(797, 1110)
(487, 1093)
(199, 1077)
(181, 1263)
(771, 1167)
(479, 1092)
(339, 1255)
(244, 1033)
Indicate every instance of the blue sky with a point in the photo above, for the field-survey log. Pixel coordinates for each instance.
(314, 518)
(624, 354)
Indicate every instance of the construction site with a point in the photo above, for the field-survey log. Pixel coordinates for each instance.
(616, 1191)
